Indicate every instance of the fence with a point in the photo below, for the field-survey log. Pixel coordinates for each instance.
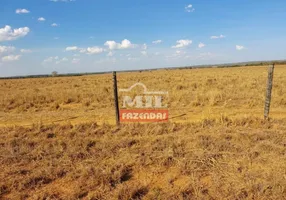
(267, 98)
(96, 97)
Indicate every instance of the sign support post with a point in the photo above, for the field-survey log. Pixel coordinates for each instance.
(116, 104)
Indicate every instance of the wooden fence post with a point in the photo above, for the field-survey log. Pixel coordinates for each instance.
(268, 91)
(116, 105)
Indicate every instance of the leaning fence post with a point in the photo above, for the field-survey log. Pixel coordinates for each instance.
(268, 92)
(116, 105)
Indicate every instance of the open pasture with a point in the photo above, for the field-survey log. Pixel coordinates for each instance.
(194, 95)
(58, 138)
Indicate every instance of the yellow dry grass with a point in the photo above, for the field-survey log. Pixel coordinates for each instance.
(208, 160)
(58, 139)
(194, 94)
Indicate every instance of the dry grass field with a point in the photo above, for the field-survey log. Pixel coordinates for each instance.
(194, 94)
(58, 138)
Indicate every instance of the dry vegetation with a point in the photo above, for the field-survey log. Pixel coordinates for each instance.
(210, 160)
(58, 141)
(193, 95)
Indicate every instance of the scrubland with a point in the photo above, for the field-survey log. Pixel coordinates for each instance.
(58, 138)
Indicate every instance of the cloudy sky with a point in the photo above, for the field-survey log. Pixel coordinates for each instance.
(69, 36)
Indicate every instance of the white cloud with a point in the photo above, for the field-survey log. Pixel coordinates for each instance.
(239, 48)
(8, 34)
(125, 44)
(217, 37)
(82, 50)
(189, 8)
(51, 59)
(75, 61)
(180, 53)
(183, 43)
(55, 60)
(22, 11)
(110, 54)
(176, 55)
(11, 58)
(41, 19)
(6, 49)
(54, 24)
(62, 60)
(94, 50)
(73, 48)
(201, 45)
(26, 51)
(144, 53)
(56, 38)
(157, 41)
(112, 45)
(89, 50)
(144, 46)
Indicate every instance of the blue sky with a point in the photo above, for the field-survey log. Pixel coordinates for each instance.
(40, 36)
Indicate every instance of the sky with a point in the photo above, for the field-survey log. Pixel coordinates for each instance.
(73, 36)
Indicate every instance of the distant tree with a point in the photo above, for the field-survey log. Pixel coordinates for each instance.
(54, 73)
